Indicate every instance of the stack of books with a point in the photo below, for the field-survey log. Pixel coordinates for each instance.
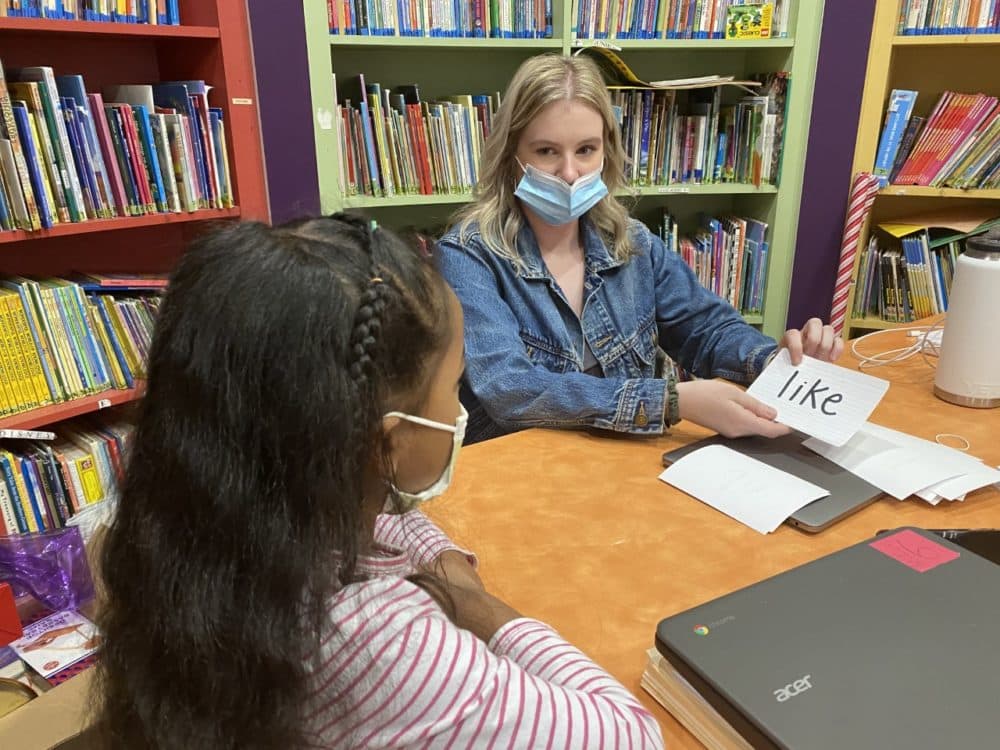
(693, 136)
(680, 19)
(61, 340)
(687, 705)
(45, 484)
(727, 254)
(69, 155)
(392, 143)
(957, 145)
(153, 12)
(918, 17)
(499, 19)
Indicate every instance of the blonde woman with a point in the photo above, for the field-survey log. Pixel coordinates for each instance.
(567, 300)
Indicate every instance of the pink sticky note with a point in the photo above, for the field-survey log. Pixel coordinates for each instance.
(914, 551)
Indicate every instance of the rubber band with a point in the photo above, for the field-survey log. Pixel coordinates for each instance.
(937, 439)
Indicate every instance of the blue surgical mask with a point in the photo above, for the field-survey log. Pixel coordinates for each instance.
(410, 500)
(556, 201)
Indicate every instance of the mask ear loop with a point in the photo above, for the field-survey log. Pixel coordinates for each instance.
(939, 441)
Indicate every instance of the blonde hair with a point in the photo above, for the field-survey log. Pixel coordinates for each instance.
(540, 81)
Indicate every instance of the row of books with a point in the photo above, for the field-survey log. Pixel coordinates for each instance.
(727, 254)
(948, 17)
(61, 340)
(164, 12)
(43, 484)
(957, 145)
(680, 19)
(694, 137)
(906, 282)
(392, 143)
(68, 156)
(500, 19)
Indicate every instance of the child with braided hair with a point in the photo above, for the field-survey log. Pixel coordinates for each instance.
(269, 580)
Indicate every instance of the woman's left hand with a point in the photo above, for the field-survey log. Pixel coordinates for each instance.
(815, 339)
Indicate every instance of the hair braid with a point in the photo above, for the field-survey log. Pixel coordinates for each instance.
(368, 319)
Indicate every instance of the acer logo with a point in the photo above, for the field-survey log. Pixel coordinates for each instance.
(793, 688)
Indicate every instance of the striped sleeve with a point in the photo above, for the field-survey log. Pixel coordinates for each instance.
(417, 536)
(410, 678)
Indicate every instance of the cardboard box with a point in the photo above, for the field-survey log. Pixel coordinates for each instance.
(54, 717)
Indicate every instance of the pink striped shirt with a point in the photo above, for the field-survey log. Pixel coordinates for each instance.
(394, 671)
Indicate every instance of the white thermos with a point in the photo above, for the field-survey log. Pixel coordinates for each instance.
(968, 371)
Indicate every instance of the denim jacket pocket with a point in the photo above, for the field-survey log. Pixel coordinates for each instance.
(637, 354)
(547, 354)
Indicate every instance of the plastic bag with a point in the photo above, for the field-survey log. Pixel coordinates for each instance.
(51, 566)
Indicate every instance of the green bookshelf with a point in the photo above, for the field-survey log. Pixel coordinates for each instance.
(444, 66)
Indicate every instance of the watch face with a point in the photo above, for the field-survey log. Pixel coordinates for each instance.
(13, 694)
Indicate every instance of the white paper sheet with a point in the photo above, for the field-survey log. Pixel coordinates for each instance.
(743, 488)
(958, 487)
(820, 399)
(895, 462)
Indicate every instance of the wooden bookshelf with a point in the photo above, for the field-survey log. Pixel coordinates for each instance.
(930, 65)
(124, 222)
(48, 415)
(947, 40)
(443, 66)
(50, 27)
(918, 191)
(213, 45)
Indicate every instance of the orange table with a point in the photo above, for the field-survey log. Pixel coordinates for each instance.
(575, 528)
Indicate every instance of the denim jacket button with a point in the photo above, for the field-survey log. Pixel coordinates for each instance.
(641, 420)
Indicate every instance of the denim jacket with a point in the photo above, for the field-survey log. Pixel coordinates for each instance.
(524, 344)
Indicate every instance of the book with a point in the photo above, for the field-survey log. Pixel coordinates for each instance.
(55, 642)
(749, 21)
(669, 688)
(897, 116)
(93, 281)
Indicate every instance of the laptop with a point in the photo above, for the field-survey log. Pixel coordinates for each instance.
(848, 492)
(891, 643)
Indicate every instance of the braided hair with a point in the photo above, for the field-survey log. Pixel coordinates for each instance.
(276, 353)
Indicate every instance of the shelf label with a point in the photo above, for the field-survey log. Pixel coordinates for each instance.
(242, 100)
(324, 118)
(104, 403)
(674, 189)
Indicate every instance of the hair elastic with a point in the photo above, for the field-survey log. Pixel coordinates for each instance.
(937, 439)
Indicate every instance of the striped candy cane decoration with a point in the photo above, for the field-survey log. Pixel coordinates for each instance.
(863, 190)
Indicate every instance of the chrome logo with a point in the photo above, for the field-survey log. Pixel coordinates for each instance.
(701, 630)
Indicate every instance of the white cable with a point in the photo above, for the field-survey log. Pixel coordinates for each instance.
(921, 346)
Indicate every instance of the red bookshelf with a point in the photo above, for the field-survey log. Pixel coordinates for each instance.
(47, 415)
(213, 45)
(110, 225)
(49, 27)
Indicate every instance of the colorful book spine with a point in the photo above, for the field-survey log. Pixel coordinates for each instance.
(898, 112)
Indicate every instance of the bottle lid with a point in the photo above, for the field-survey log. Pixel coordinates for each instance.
(985, 245)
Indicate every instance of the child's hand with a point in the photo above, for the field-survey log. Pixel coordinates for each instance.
(455, 569)
(476, 610)
(815, 339)
(723, 407)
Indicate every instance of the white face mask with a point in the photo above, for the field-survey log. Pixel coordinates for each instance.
(411, 500)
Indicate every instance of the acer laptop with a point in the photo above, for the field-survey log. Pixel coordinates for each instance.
(848, 492)
(890, 643)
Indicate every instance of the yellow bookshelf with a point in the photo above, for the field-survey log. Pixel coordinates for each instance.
(931, 65)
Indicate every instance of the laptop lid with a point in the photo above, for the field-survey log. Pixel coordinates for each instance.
(848, 492)
(889, 643)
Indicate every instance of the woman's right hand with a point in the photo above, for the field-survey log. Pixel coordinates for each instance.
(728, 410)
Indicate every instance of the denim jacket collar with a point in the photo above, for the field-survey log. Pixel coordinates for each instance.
(533, 267)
